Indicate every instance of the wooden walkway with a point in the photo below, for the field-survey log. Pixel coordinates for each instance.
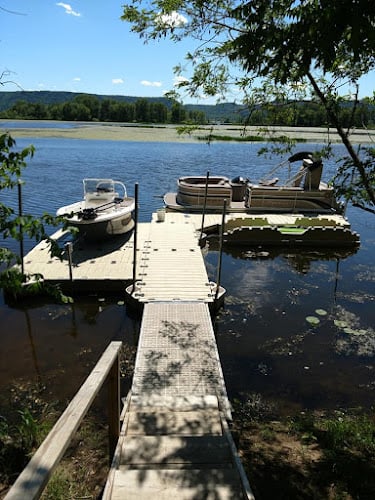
(175, 442)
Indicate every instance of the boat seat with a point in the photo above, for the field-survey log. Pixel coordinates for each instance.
(99, 195)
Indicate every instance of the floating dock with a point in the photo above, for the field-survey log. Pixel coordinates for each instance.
(168, 253)
(169, 262)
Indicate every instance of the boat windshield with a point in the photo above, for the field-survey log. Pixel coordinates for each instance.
(107, 186)
(98, 185)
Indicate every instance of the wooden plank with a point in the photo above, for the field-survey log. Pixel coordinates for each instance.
(247, 491)
(176, 450)
(124, 417)
(185, 423)
(209, 484)
(114, 405)
(174, 403)
(35, 476)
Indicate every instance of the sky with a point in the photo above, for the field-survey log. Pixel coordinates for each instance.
(83, 46)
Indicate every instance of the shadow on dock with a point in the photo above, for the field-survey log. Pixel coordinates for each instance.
(85, 250)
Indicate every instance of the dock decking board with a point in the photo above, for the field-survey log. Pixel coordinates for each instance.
(155, 422)
(181, 484)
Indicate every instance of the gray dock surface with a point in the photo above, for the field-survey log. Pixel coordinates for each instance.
(169, 261)
(174, 441)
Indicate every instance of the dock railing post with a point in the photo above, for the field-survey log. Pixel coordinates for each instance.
(69, 251)
(218, 278)
(204, 204)
(21, 226)
(135, 236)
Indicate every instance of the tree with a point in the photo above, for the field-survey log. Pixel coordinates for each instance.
(276, 50)
(178, 113)
(91, 103)
(142, 110)
(71, 111)
(13, 225)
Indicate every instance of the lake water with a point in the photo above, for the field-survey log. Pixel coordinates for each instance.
(265, 343)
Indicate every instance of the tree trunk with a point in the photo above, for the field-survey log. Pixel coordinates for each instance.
(332, 114)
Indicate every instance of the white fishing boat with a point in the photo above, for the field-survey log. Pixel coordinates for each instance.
(301, 191)
(105, 210)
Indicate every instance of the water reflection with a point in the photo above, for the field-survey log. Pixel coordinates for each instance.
(59, 344)
(300, 258)
(266, 341)
(32, 346)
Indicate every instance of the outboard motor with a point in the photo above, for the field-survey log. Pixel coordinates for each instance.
(238, 185)
(301, 155)
(239, 180)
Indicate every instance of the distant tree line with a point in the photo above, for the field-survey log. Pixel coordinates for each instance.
(312, 114)
(86, 107)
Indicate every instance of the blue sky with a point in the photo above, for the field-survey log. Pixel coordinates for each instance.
(83, 46)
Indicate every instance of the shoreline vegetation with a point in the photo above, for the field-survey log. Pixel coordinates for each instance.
(324, 454)
(174, 133)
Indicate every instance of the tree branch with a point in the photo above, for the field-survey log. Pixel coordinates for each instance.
(344, 137)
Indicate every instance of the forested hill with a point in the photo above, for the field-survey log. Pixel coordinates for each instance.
(220, 112)
(8, 99)
(86, 107)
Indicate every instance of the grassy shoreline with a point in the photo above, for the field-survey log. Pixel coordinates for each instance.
(170, 133)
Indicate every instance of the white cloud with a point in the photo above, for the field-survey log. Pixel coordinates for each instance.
(172, 20)
(76, 79)
(146, 83)
(68, 9)
(117, 81)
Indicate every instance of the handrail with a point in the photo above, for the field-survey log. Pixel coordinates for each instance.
(34, 478)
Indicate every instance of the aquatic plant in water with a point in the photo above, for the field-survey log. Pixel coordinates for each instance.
(321, 312)
(352, 339)
(313, 320)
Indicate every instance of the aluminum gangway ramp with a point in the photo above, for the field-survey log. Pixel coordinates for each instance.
(175, 442)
